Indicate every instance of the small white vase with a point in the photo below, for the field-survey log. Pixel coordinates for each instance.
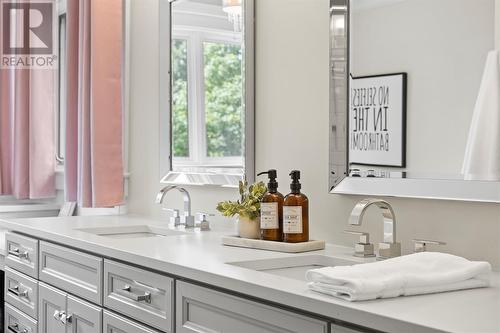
(248, 228)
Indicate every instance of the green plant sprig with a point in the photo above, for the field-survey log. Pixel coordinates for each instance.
(249, 203)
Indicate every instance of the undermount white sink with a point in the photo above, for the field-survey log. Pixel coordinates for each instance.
(293, 267)
(134, 231)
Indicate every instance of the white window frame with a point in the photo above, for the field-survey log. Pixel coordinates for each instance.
(197, 138)
(61, 81)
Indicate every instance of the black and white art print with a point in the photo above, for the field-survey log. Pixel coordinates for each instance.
(377, 120)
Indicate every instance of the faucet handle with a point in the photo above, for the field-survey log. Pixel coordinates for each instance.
(203, 222)
(203, 215)
(420, 245)
(175, 218)
(364, 237)
(363, 248)
(175, 212)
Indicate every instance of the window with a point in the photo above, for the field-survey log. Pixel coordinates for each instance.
(207, 99)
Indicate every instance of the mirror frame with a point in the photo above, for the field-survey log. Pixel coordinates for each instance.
(166, 163)
(401, 185)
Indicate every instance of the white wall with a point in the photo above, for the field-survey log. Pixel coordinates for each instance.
(292, 132)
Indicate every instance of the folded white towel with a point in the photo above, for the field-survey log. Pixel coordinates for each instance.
(482, 153)
(419, 273)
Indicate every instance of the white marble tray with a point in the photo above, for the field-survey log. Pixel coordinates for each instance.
(312, 245)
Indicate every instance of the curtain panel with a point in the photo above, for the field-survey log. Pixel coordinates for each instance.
(94, 121)
(27, 147)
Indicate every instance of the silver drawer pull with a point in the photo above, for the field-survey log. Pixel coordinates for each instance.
(17, 253)
(15, 329)
(15, 290)
(125, 292)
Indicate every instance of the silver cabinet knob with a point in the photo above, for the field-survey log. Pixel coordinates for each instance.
(420, 245)
(363, 248)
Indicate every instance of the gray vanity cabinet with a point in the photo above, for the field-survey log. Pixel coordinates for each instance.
(200, 310)
(63, 313)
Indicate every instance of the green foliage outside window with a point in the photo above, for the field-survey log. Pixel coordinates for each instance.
(223, 99)
(180, 98)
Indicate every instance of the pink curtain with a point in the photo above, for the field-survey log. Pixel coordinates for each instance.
(27, 146)
(94, 148)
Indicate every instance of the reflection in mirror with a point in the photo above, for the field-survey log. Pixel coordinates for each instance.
(208, 95)
(405, 79)
(424, 39)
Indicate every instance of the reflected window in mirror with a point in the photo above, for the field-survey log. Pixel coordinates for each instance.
(209, 114)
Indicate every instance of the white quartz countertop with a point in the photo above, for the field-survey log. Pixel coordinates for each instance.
(199, 256)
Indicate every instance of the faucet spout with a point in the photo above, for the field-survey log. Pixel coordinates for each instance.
(389, 248)
(186, 198)
(359, 210)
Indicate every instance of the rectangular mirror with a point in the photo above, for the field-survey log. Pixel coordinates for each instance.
(207, 73)
(404, 84)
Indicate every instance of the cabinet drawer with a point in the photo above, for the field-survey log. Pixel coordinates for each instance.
(140, 294)
(21, 291)
(203, 310)
(18, 322)
(113, 323)
(22, 254)
(72, 271)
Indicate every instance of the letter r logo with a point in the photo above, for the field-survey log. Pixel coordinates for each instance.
(27, 27)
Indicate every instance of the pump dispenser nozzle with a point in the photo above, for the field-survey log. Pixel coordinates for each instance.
(272, 186)
(295, 186)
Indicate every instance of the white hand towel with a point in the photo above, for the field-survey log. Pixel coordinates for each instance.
(419, 273)
(482, 153)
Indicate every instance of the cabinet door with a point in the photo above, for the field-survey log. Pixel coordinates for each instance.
(202, 310)
(83, 317)
(51, 306)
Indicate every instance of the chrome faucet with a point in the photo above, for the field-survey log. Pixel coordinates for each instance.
(186, 219)
(389, 248)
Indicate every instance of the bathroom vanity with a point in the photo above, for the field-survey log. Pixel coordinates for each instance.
(132, 274)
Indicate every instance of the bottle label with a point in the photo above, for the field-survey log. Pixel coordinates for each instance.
(269, 215)
(292, 219)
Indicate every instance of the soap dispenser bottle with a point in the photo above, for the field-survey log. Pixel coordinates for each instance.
(271, 210)
(295, 213)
